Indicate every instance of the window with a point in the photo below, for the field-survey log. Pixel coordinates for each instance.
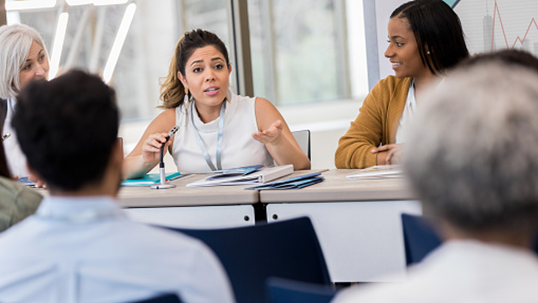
(299, 55)
(90, 34)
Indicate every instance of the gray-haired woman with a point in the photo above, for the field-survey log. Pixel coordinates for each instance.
(23, 58)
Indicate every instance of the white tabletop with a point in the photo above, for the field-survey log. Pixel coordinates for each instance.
(186, 196)
(336, 188)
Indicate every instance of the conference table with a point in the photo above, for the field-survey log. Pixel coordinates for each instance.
(190, 207)
(357, 222)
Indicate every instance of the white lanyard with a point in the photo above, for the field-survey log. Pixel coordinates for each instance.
(219, 138)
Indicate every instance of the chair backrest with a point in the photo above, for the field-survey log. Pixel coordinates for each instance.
(288, 249)
(289, 291)
(420, 238)
(303, 139)
(168, 298)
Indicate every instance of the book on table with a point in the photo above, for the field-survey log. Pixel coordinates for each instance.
(253, 176)
(151, 179)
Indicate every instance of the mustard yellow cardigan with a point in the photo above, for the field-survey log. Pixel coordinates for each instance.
(376, 124)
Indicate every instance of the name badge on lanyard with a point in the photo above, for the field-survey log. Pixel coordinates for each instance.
(219, 138)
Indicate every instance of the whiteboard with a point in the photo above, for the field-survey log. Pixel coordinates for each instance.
(498, 24)
(487, 24)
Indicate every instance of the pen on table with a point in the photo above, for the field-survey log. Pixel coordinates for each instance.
(5, 136)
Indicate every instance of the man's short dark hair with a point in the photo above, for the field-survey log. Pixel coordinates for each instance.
(67, 128)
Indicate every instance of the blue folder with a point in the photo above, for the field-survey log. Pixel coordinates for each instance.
(291, 183)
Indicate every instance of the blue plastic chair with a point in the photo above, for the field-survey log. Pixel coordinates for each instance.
(419, 237)
(289, 291)
(168, 298)
(288, 249)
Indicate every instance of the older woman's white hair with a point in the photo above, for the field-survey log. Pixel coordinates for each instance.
(15, 43)
(474, 157)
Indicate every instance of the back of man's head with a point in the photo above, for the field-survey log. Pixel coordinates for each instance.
(474, 157)
(67, 128)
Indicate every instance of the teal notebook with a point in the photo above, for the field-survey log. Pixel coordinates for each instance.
(150, 179)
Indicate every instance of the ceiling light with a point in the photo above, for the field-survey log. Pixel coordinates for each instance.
(29, 4)
(59, 38)
(118, 42)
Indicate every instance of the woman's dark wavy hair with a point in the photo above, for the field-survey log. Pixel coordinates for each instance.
(172, 90)
(437, 29)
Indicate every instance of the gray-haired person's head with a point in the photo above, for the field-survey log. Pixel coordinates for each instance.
(15, 43)
(474, 157)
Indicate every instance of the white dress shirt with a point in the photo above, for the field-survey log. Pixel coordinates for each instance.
(16, 160)
(85, 250)
(463, 272)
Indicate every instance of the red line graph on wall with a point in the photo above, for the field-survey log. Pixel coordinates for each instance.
(497, 12)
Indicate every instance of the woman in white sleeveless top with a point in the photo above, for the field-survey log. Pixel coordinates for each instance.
(217, 128)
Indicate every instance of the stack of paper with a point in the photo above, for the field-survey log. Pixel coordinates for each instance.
(262, 175)
(290, 183)
(377, 172)
(150, 179)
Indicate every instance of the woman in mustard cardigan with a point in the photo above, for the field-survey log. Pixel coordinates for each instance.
(425, 39)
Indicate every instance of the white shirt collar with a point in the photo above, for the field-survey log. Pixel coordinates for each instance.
(78, 209)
